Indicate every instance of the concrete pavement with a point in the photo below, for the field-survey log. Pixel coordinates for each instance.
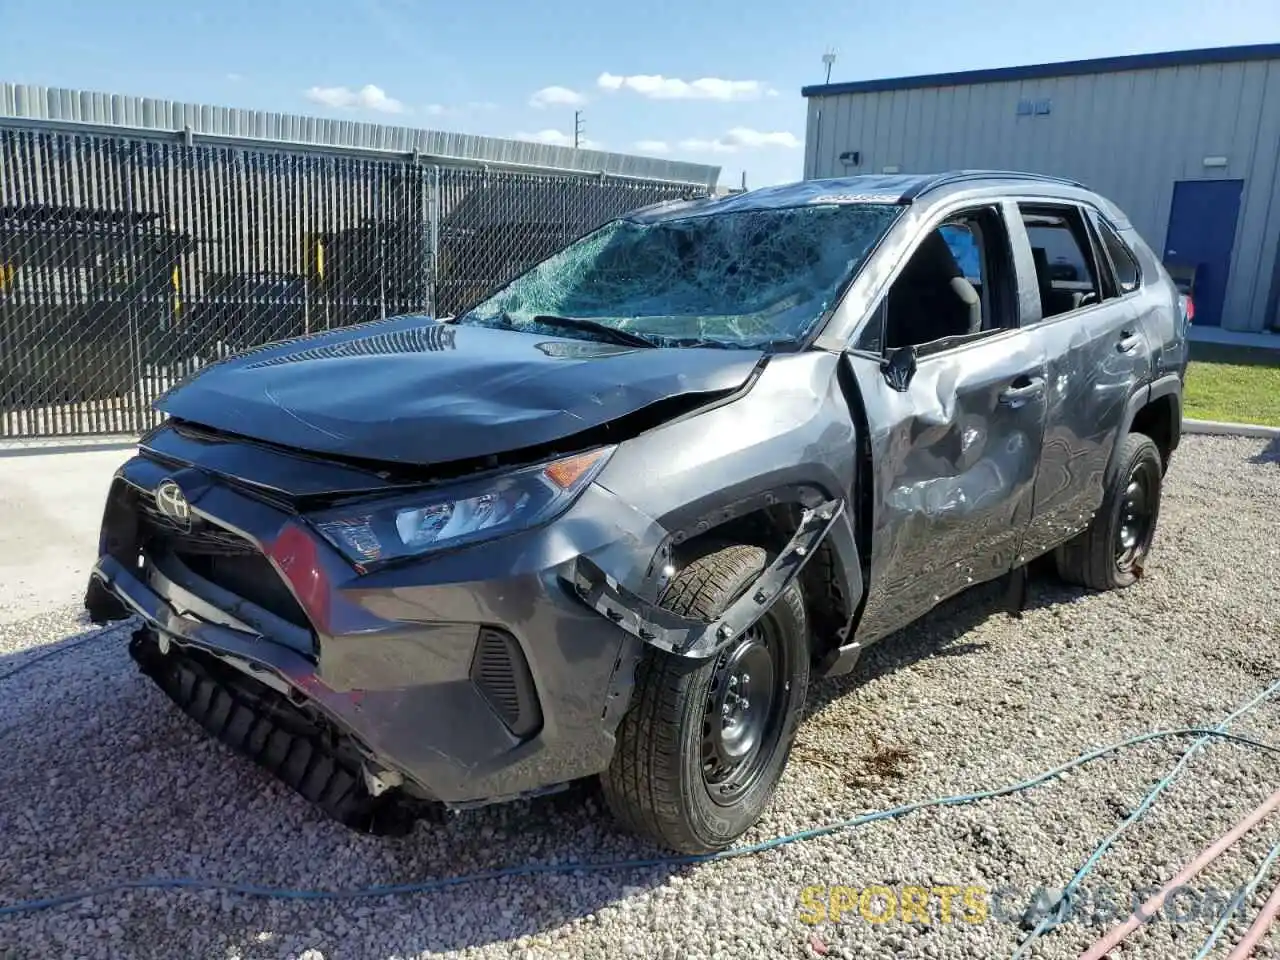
(50, 510)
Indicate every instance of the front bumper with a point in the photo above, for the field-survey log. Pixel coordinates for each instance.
(471, 677)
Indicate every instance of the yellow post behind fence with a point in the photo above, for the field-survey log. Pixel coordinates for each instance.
(320, 274)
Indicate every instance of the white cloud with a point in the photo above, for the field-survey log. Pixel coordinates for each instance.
(555, 138)
(746, 137)
(368, 97)
(653, 146)
(558, 97)
(741, 138)
(658, 87)
(444, 110)
(234, 77)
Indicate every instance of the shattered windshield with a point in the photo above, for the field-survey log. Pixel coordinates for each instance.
(748, 278)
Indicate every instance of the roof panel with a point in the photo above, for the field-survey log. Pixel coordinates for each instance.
(1040, 71)
(859, 189)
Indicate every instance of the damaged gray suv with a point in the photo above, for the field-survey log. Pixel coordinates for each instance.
(615, 518)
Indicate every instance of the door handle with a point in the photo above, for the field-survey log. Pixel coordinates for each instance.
(1128, 342)
(1033, 387)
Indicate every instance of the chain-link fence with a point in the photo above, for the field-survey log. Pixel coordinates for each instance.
(127, 263)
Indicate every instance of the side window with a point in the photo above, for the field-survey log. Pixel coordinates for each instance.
(955, 284)
(1063, 255)
(1123, 262)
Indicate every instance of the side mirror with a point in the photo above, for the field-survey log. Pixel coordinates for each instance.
(899, 367)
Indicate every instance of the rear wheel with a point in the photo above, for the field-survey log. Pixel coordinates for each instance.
(704, 742)
(1110, 554)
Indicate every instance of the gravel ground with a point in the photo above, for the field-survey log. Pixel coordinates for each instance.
(102, 780)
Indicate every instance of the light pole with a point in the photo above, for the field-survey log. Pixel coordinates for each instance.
(828, 59)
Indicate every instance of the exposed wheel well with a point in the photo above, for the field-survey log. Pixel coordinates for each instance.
(1158, 420)
(771, 528)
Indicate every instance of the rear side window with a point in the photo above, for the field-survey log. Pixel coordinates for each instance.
(1063, 255)
(1125, 264)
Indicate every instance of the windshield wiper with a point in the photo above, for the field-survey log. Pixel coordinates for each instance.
(593, 326)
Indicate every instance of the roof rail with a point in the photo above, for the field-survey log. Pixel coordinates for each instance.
(959, 176)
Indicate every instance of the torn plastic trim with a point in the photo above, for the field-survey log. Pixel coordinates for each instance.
(188, 592)
(378, 783)
(689, 637)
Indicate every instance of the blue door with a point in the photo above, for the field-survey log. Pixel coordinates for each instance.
(1202, 231)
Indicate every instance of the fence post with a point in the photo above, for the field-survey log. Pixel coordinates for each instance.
(134, 422)
(382, 269)
(434, 214)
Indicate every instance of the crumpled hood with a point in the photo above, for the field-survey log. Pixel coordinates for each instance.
(416, 391)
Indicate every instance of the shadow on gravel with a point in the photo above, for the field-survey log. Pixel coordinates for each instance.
(1268, 454)
(14, 663)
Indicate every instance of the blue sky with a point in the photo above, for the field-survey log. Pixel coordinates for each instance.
(708, 80)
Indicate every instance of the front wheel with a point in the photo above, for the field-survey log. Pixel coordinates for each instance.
(1110, 553)
(704, 742)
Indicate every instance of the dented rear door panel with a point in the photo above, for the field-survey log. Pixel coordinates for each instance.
(1098, 358)
(955, 458)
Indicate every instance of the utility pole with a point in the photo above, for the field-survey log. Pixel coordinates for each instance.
(577, 128)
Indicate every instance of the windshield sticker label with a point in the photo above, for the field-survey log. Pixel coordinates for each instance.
(856, 198)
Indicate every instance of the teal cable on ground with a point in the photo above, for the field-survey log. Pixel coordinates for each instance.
(532, 869)
(1054, 917)
(1047, 923)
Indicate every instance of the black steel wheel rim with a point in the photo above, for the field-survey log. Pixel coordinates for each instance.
(1137, 516)
(744, 714)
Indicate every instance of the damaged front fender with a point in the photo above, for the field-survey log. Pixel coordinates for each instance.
(698, 639)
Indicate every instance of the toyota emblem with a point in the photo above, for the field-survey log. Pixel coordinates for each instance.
(172, 503)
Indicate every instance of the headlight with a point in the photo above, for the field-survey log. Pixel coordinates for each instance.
(459, 513)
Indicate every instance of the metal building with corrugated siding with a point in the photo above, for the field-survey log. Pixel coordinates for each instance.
(1186, 142)
(28, 105)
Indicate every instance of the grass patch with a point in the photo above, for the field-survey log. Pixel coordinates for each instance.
(1234, 393)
